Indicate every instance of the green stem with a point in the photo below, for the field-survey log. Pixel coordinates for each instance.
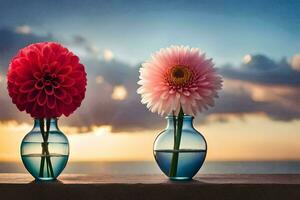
(177, 133)
(45, 151)
(174, 124)
(48, 158)
(41, 174)
(47, 170)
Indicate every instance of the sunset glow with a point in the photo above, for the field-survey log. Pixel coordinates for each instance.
(253, 141)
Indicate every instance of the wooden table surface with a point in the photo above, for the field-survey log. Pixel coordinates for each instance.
(70, 186)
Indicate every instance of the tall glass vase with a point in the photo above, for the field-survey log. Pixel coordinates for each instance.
(182, 161)
(45, 150)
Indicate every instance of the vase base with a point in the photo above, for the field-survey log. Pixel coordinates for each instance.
(180, 178)
(45, 179)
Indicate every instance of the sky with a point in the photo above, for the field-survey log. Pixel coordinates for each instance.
(254, 45)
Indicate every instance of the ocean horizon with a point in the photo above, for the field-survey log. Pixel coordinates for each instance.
(150, 167)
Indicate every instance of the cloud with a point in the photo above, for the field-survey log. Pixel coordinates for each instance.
(119, 93)
(259, 85)
(240, 97)
(83, 47)
(247, 58)
(263, 70)
(295, 63)
(108, 55)
(111, 99)
(110, 79)
(246, 90)
(24, 29)
(99, 79)
(91, 49)
(78, 39)
(11, 42)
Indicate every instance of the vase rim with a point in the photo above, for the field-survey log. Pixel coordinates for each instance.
(53, 118)
(184, 116)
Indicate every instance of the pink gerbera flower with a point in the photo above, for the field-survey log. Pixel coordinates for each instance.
(177, 77)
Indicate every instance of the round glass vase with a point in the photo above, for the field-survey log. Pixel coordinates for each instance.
(190, 155)
(45, 150)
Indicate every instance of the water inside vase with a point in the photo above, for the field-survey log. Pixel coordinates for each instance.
(189, 162)
(33, 164)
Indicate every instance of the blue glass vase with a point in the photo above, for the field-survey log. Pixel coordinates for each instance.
(45, 150)
(190, 154)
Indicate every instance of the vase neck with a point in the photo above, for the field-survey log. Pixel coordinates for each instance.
(53, 124)
(187, 122)
(170, 122)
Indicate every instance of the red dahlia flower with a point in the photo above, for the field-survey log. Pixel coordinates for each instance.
(46, 80)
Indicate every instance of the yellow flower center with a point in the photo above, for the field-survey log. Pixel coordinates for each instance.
(180, 75)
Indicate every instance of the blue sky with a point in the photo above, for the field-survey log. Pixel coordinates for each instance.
(226, 30)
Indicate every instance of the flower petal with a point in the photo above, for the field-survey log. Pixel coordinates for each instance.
(42, 98)
(51, 101)
(76, 75)
(28, 86)
(60, 93)
(46, 51)
(68, 82)
(49, 90)
(31, 96)
(68, 99)
(65, 70)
